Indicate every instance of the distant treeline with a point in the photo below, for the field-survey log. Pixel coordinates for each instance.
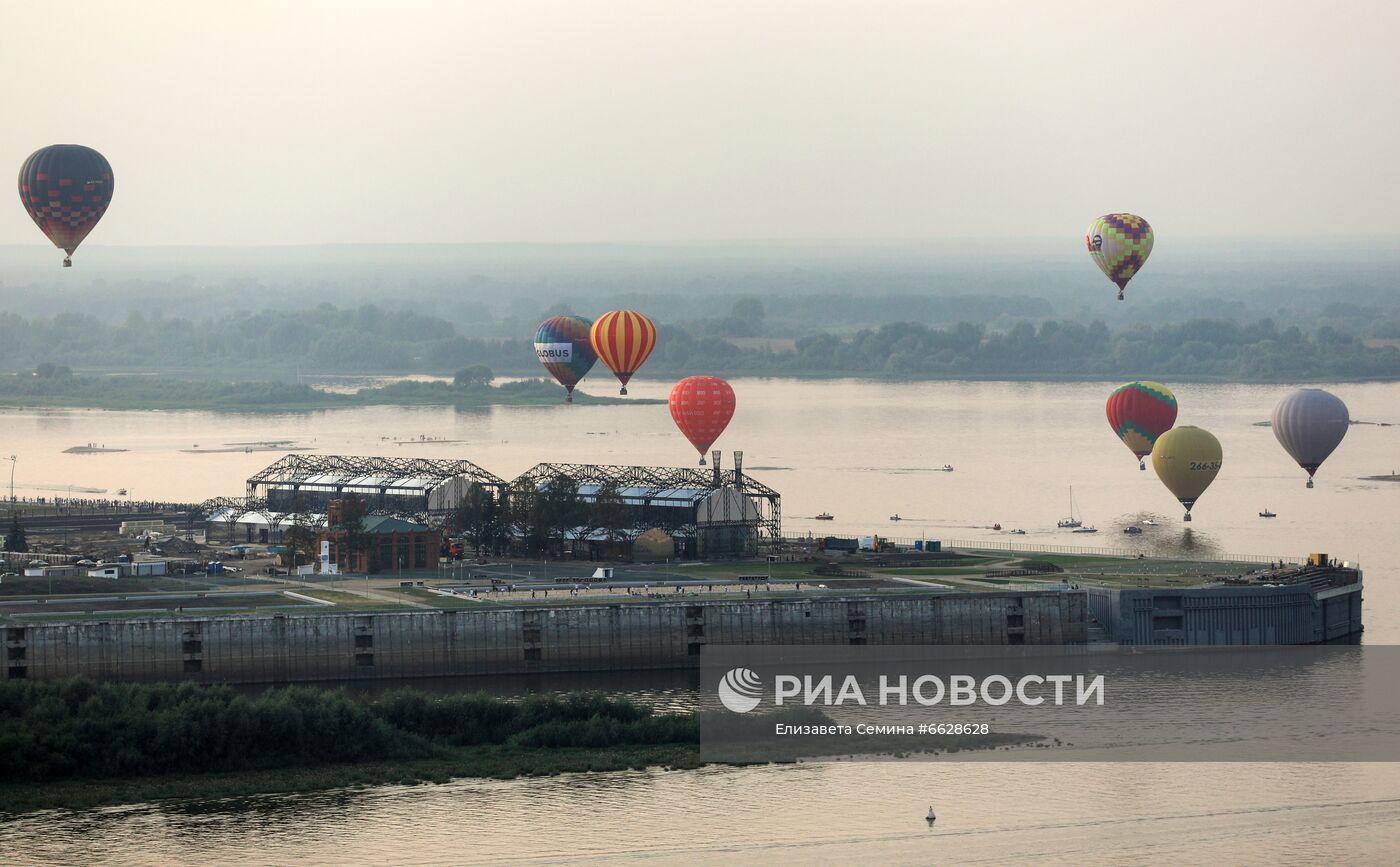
(57, 385)
(80, 729)
(366, 339)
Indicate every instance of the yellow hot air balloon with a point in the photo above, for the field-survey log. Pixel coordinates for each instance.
(1187, 460)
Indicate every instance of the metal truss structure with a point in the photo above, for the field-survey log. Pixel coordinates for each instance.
(671, 497)
(388, 485)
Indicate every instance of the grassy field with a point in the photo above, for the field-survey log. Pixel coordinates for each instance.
(41, 587)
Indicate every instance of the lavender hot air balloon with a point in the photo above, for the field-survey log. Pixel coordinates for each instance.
(1310, 424)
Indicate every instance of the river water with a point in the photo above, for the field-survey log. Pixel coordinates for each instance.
(862, 451)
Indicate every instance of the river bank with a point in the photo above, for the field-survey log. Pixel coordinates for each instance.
(139, 392)
(485, 762)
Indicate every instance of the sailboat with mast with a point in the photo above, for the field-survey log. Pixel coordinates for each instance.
(1070, 522)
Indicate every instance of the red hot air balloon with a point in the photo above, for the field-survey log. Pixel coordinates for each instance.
(702, 407)
(66, 190)
(623, 339)
(1139, 412)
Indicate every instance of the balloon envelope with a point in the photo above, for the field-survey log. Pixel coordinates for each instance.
(1187, 459)
(66, 189)
(1119, 245)
(702, 407)
(564, 348)
(623, 339)
(1310, 424)
(1139, 413)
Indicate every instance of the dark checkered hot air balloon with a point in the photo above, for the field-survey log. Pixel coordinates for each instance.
(66, 190)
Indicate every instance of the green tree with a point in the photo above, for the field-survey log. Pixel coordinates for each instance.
(15, 540)
(476, 376)
(560, 507)
(609, 512)
(477, 516)
(525, 514)
(350, 522)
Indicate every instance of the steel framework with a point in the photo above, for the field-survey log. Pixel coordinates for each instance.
(326, 476)
(658, 489)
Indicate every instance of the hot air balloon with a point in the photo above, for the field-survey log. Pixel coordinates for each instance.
(563, 347)
(1187, 460)
(1139, 412)
(1120, 245)
(623, 339)
(702, 407)
(1310, 424)
(66, 190)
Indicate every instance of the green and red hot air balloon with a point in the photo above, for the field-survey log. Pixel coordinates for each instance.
(1139, 412)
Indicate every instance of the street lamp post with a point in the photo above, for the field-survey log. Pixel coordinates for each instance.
(13, 459)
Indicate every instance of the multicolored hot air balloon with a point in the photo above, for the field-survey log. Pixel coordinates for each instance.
(702, 407)
(623, 339)
(1139, 412)
(1187, 459)
(66, 189)
(1120, 245)
(1310, 424)
(562, 345)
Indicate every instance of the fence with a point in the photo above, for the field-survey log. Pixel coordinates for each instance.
(1009, 547)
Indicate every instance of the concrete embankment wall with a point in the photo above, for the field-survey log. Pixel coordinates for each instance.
(1294, 614)
(622, 636)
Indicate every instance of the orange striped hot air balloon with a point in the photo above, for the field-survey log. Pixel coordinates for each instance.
(623, 339)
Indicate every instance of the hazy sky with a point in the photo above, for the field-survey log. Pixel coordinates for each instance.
(594, 120)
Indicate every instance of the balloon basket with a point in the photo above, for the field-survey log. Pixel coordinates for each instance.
(623, 390)
(68, 261)
(1188, 517)
(1142, 466)
(1120, 296)
(569, 398)
(1310, 483)
(702, 462)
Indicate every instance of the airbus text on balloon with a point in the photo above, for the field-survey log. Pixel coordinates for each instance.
(564, 348)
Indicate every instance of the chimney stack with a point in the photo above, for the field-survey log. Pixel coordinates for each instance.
(738, 469)
(714, 462)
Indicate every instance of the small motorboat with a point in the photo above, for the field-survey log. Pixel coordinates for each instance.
(1149, 522)
(825, 516)
(895, 518)
(1085, 530)
(1267, 514)
(1132, 531)
(930, 818)
(1017, 532)
(947, 468)
(121, 492)
(996, 526)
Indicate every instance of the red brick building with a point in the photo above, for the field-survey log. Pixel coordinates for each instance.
(389, 544)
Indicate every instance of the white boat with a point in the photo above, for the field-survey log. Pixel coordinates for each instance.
(1149, 522)
(1085, 530)
(1071, 522)
(1017, 532)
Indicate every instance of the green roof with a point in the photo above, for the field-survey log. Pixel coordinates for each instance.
(390, 524)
